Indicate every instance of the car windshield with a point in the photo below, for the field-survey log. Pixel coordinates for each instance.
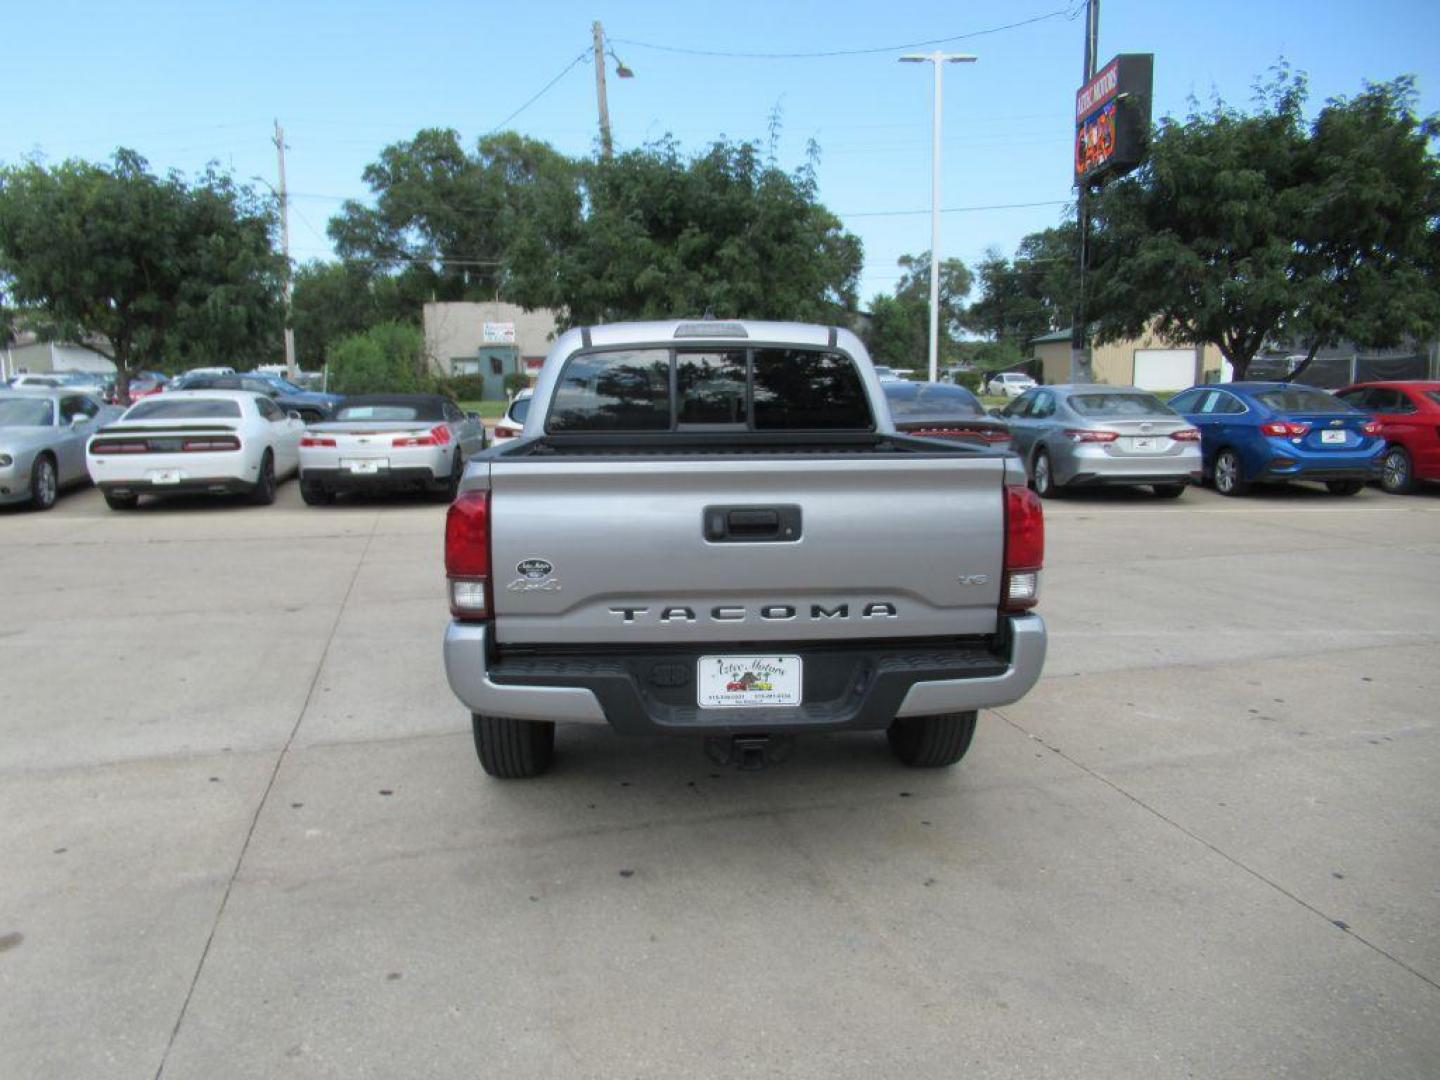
(381, 412)
(910, 399)
(279, 384)
(519, 408)
(168, 408)
(1302, 399)
(26, 412)
(1119, 405)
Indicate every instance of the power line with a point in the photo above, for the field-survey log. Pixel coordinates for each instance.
(955, 209)
(540, 93)
(1068, 13)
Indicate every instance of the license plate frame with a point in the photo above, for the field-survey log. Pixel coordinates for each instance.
(1333, 438)
(1144, 444)
(750, 681)
(364, 466)
(165, 477)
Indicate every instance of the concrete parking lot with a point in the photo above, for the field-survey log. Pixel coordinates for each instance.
(243, 832)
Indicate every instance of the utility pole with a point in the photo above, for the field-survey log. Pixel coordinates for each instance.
(936, 59)
(1079, 332)
(290, 369)
(607, 147)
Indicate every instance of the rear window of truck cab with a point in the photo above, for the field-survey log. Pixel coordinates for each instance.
(709, 389)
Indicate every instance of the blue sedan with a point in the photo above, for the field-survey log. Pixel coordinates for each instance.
(1271, 432)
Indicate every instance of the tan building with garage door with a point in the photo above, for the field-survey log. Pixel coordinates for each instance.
(1146, 362)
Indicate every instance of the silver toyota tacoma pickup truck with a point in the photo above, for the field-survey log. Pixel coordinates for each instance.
(710, 528)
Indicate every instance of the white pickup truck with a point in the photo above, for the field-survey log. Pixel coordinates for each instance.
(710, 528)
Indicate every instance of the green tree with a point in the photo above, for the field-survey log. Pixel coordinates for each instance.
(1031, 294)
(334, 300)
(899, 334)
(1246, 227)
(458, 225)
(667, 236)
(1367, 265)
(147, 269)
(386, 358)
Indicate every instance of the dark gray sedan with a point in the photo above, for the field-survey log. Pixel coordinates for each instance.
(42, 441)
(943, 411)
(1088, 435)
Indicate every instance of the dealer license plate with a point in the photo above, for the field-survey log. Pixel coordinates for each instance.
(730, 682)
(1332, 436)
(165, 476)
(364, 465)
(1137, 443)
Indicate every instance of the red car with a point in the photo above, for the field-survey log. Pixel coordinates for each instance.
(1409, 417)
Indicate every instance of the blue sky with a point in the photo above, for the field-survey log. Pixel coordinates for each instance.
(185, 83)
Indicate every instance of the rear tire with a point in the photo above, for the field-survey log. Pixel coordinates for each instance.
(932, 742)
(1043, 474)
(315, 494)
(451, 487)
(1168, 491)
(1397, 474)
(513, 749)
(263, 493)
(1228, 476)
(1344, 487)
(44, 483)
(117, 501)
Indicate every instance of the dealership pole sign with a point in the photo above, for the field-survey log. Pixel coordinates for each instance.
(1112, 119)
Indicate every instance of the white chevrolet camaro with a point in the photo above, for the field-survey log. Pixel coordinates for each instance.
(195, 441)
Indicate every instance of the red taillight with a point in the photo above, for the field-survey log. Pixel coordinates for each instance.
(1284, 429)
(436, 436)
(116, 447)
(1091, 436)
(316, 440)
(219, 444)
(467, 555)
(505, 431)
(1024, 548)
(1370, 427)
(1188, 434)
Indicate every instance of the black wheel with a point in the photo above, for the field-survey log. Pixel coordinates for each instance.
(932, 742)
(44, 483)
(1228, 477)
(315, 494)
(263, 493)
(1397, 475)
(1043, 473)
(451, 485)
(513, 749)
(121, 501)
(1168, 491)
(1344, 487)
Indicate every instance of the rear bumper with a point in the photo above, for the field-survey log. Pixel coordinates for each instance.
(382, 480)
(861, 687)
(200, 485)
(1095, 465)
(1302, 470)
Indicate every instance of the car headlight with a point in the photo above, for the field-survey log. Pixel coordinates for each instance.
(6, 461)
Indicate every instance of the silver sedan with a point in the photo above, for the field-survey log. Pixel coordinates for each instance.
(1087, 435)
(42, 441)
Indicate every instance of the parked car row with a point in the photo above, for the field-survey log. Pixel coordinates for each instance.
(226, 441)
(1233, 434)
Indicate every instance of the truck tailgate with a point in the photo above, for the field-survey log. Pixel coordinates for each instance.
(614, 551)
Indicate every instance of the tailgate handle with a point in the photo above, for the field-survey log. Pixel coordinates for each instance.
(751, 524)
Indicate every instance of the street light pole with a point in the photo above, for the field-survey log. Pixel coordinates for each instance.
(936, 59)
(285, 251)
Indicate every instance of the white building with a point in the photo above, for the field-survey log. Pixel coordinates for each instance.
(27, 353)
(490, 339)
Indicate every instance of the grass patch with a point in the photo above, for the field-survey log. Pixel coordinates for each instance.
(490, 410)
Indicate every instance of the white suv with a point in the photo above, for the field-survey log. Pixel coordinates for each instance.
(1010, 384)
(513, 422)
